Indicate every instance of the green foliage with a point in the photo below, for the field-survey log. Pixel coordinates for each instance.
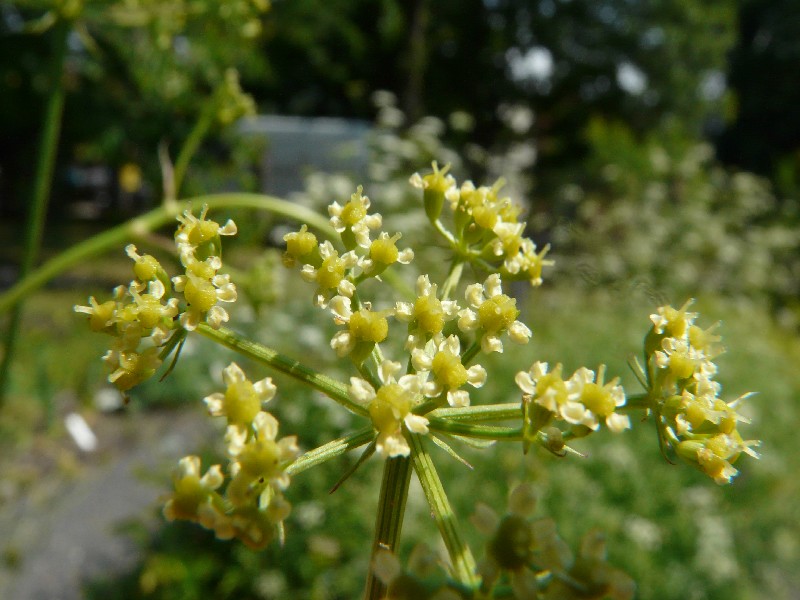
(660, 217)
(138, 74)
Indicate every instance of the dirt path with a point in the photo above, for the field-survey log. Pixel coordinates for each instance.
(62, 531)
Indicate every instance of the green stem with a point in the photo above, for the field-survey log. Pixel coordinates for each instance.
(192, 143)
(483, 432)
(453, 277)
(331, 450)
(470, 353)
(41, 192)
(638, 401)
(438, 226)
(460, 554)
(475, 414)
(150, 221)
(329, 386)
(389, 520)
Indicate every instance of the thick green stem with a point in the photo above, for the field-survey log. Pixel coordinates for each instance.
(139, 226)
(460, 554)
(389, 521)
(329, 386)
(41, 193)
(479, 413)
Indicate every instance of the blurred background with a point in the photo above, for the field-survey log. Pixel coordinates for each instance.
(654, 145)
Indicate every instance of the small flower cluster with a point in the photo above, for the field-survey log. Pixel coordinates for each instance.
(339, 274)
(252, 505)
(142, 316)
(436, 326)
(701, 427)
(199, 248)
(581, 401)
(138, 318)
(441, 367)
(486, 226)
(537, 563)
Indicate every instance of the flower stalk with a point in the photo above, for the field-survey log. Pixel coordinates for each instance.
(289, 366)
(389, 519)
(463, 563)
(41, 195)
(148, 222)
(332, 449)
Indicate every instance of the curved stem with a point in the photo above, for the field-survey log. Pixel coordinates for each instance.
(191, 144)
(41, 193)
(329, 386)
(150, 221)
(438, 226)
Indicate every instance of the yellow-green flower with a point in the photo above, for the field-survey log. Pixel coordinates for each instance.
(442, 358)
(383, 253)
(353, 221)
(242, 399)
(427, 315)
(364, 328)
(492, 313)
(435, 187)
(199, 232)
(299, 245)
(390, 407)
(331, 275)
(203, 288)
(600, 399)
(191, 490)
(260, 461)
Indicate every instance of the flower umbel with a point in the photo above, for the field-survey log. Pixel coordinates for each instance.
(242, 399)
(486, 229)
(581, 402)
(252, 505)
(691, 419)
(531, 556)
(145, 319)
(361, 277)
